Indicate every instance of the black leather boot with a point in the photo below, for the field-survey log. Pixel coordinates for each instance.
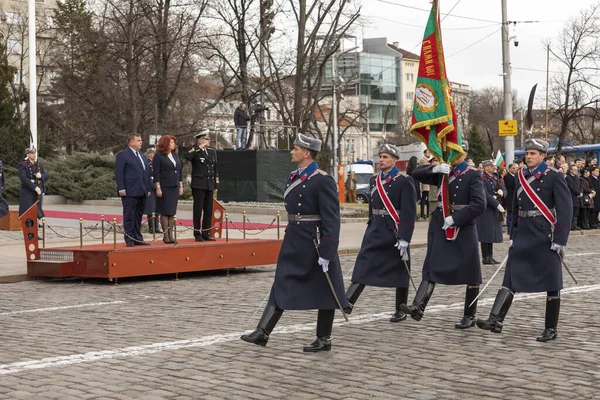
(491, 254)
(552, 311)
(150, 224)
(324, 327)
(500, 308)
(468, 319)
(352, 294)
(157, 226)
(420, 301)
(267, 323)
(401, 298)
(485, 254)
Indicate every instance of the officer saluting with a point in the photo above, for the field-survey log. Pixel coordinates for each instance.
(311, 201)
(542, 212)
(452, 262)
(205, 181)
(392, 215)
(33, 183)
(489, 224)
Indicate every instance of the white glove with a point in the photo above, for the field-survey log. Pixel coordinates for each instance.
(441, 169)
(401, 245)
(324, 264)
(558, 248)
(500, 192)
(500, 208)
(38, 175)
(511, 242)
(38, 190)
(448, 222)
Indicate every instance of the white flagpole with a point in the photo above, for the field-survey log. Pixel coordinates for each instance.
(32, 77)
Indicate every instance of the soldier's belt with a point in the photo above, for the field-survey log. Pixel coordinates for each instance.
(382, 212)
(304, 218)
(454, 207)
(533, 213)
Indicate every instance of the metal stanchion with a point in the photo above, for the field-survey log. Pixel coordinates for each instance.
(226, 228)
(102, 221)
(244, 225)
(80, 233)
(114, 226)
(154, 225)
(277, 225)
(175, 230)
(43, 233)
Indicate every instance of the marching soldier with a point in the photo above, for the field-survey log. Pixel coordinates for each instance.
(205, 181)
(392, 215)
(489, 224)
(33, 183)
(542, 213)
(309, 253)
(452, 260)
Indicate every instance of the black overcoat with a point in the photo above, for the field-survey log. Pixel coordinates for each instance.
(454, 262)
(489, 226)
(596, 186)
(27, 195)
(378, 262)
(532, 266)
(300, 283)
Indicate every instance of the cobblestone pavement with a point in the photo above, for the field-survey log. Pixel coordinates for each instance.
(160, 338)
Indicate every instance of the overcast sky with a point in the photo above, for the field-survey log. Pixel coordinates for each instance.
(473, 47)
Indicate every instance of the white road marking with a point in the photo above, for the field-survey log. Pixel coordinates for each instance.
(36, 310)
(204, 341)
(579, 254)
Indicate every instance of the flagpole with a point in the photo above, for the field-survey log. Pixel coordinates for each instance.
(32, 77)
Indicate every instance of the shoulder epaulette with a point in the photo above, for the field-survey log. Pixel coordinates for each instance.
(552, 169)
(400, 173)
(320, 171)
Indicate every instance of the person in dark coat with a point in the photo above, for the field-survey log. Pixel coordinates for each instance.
(2, 178)
(595, 182)
(205, 182)
(169, 184)
(509, 182)
(587, 200)
(489, 224)
(33, 183)
(3, 203)
(240, 119)
(452, 262)
(537, 242)
(309, 250)
(150, 208)
(576, 189)
(134, 184)
(378, 262)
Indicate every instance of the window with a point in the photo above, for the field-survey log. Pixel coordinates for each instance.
(409, 95)
(410, 77)
(410, 64)
(14, 46)
(13, 17)
(50, 21)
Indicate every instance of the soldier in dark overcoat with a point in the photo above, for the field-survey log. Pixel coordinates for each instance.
(3, 203)
(205, 181)
(2, 178)
(489, 224)
(384, 256)
(537, 241)
(153, 225)
(452, 262)
(33, 183)
(595, 181)
(309, 250)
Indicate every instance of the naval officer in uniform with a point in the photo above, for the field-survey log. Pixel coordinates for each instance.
(542, 212)
(309, 250)
(33, 183)
(384, 256)
(452, 262)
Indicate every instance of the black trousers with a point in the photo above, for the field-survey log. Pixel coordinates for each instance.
(203, 205)
(575, 221)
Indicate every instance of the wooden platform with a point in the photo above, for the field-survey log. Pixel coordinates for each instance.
(103, 261)
(10, 222)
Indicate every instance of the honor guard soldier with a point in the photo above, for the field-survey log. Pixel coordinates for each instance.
(452, 260)
(309, 254)
(2, 178)
(3, 203)
(489, 224)
(542, 212)
(205, 181)
(153, 226)
(33, 183)
(392, 215)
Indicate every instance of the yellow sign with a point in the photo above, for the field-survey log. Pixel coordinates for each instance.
(507, 127)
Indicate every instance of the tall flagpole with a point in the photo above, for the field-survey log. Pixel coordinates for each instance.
(32, 77)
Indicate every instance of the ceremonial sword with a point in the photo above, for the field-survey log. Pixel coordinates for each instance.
(564, 264)
(316, 242)
(491, 279)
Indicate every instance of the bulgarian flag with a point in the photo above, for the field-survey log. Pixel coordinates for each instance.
(499, 160)
(434, 115)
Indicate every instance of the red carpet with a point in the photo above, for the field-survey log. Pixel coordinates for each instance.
(109, 217)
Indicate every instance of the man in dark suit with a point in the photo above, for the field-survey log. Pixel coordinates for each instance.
(205, 182)
(576, 189)
(509, 181)
(595, 181)
(132, 174)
